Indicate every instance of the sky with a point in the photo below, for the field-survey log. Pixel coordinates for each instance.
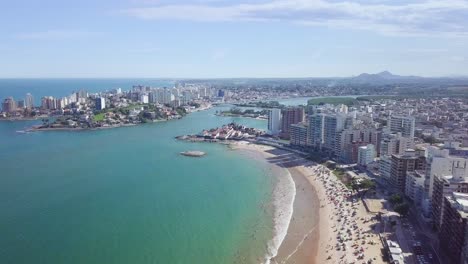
(236, 38)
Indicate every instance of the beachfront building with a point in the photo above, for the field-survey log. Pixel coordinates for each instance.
(414, 189)
(144, 99)
(453, 235)
(316, 130)
(298, 133)
(29, 101)
(9, 105)
(100, 103)
(402, 124)
(445, 184)
(385, 167)
(152, 97)
(48, 103)
(349, 141)
(402, 164)
(290, 116)
(274, 121)
(333, 124)
(366, 155)
(440, 163)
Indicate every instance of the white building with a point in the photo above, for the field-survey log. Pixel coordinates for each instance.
(385, 167)
(274, 121)
(333, 124)
(403, 124)
(440, 163)
(395, 144)
(100, 103)
(414, 188)
(144, 98)
(366, 155)
(29, 101)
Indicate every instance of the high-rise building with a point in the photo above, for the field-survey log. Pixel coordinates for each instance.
(316, 130)
(82, 94)
(20, 104)
(152, 97)
(453, 235)
(403, 124)
(290, 116)
(168, 97)
(385, 167)
(414, 189)
(395, 144)
(144, 98)
(9, 105)
(402, 164)
(366, 155)
(298, 133)
(333, 124)
(48, 103)
(274, 121)
(349, 140)
(450, 175)
(29, 101)
(440, 163)
(100, 103)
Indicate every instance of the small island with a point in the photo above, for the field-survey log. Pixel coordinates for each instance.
(230, 131)
(193, 153)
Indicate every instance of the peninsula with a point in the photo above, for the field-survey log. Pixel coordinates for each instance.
(116, 108)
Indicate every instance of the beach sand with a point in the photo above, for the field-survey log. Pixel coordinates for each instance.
(311, 234)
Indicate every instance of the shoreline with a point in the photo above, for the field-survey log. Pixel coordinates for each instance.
(293, 241)
(321, 205)
(70, 129)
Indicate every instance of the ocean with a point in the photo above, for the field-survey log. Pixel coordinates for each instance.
(125, 195)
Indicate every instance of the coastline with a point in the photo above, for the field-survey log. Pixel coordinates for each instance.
(295, 240)
(320, 204)
(38, 129)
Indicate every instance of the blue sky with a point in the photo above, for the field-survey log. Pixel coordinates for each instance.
(218, 38)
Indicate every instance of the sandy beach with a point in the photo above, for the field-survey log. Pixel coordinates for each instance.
(328, 225)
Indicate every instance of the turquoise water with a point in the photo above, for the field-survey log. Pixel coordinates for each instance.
(125, 196)
(63, 87)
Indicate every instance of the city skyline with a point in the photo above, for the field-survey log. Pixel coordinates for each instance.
(230, 39)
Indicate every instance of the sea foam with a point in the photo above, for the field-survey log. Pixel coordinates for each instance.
(283, 203)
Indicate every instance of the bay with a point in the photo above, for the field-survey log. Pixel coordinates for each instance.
(126, 195)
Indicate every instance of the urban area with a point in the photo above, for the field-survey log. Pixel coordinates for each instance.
(412, 151)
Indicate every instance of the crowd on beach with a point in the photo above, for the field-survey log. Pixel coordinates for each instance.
(352, 240)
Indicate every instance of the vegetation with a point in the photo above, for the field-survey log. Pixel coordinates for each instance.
(365, 184)
(340, 174)
(99, 117)
(402, 208)
(332, 100)
(236, 111)
(270, 104)
(399, 205)
(181, 111)
(396, 199)
(375, 97)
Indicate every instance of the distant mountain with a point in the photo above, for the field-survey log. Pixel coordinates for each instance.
(382, 77)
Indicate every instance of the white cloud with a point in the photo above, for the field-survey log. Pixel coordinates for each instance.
(447, 17)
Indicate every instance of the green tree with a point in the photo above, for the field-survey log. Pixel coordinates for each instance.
(366, 184)
(402, 208)
(396, 199)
